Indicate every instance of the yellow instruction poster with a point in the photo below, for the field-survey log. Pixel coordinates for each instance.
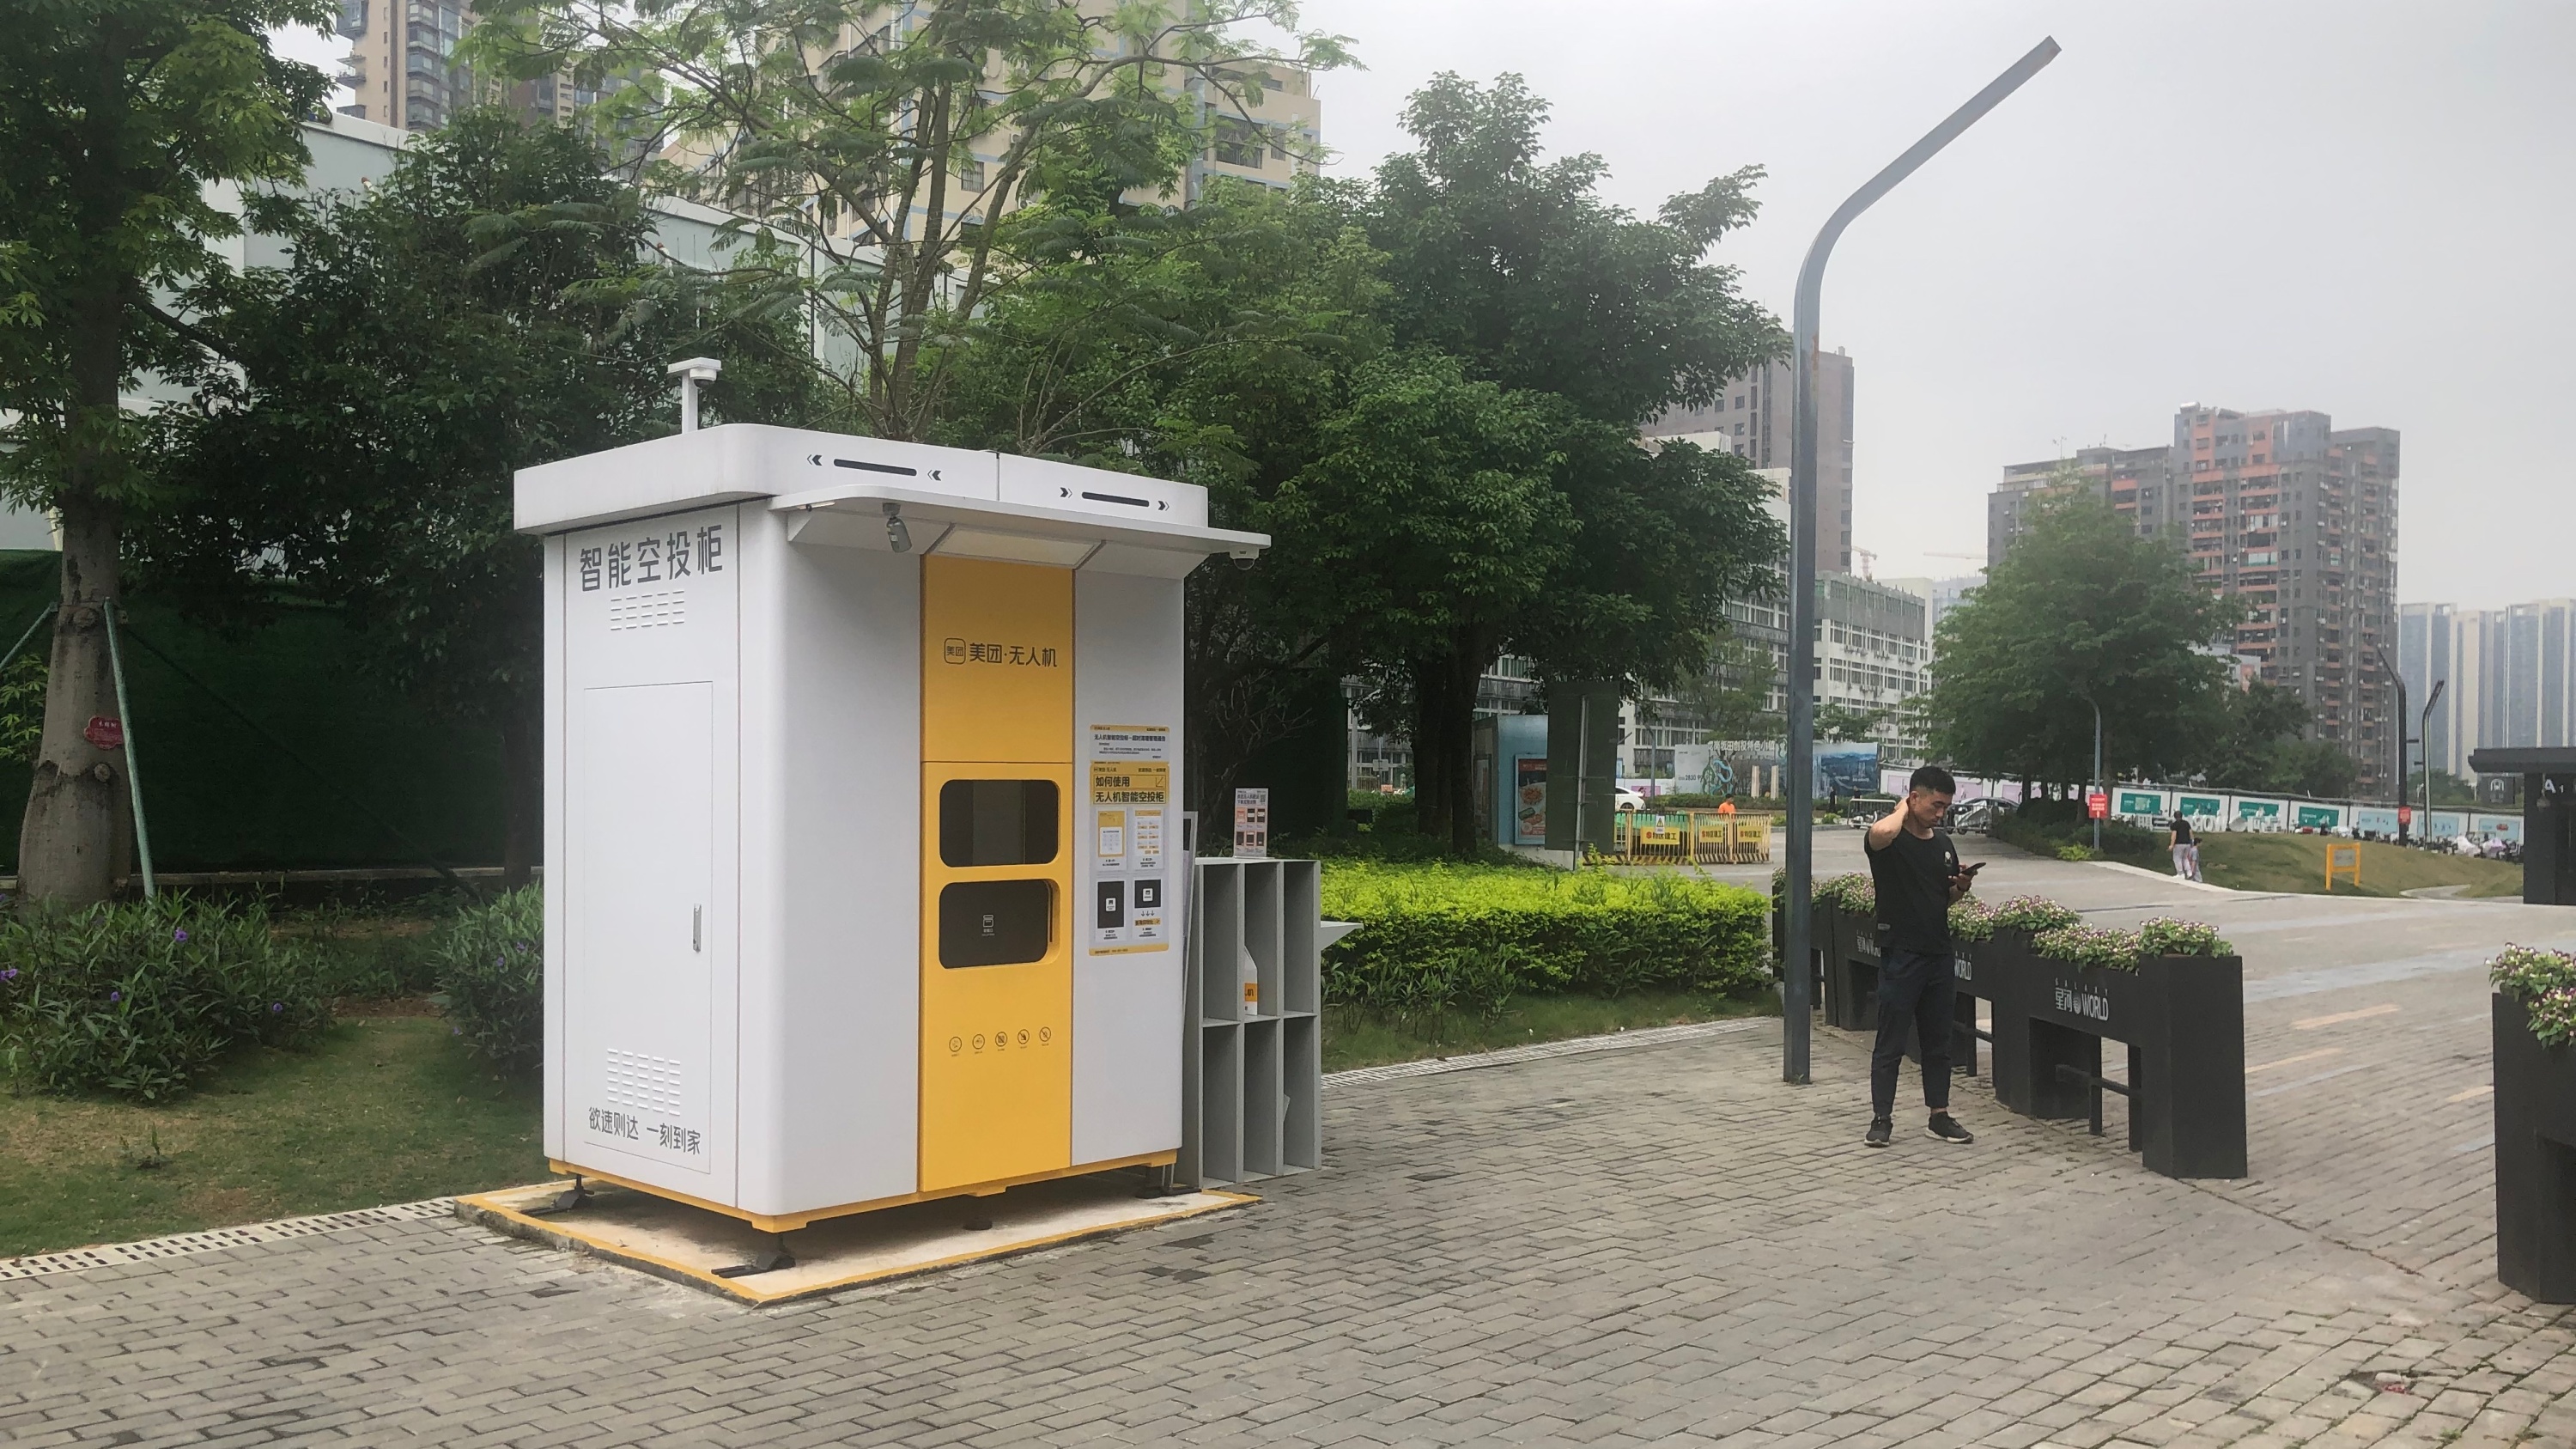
(1130, 788)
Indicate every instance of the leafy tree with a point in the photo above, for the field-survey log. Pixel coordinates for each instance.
(1731, 699)
(2083, 612)
(118, 118)
(1202, 343)
(488, 307)
(2448, 789)
(1423, 528)
(1515, 265)
(892, 142)
(1847, 722)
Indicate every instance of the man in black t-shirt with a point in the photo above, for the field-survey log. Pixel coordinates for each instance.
(1917, 875)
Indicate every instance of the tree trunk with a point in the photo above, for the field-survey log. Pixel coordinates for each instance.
(69, 844)
(1444, 732)
(523, 782)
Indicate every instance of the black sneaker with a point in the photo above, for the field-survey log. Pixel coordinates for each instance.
(1946, 1128)
(1880, 1129)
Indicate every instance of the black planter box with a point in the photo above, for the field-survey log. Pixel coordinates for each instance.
(1851, 971)
(2535, 1159)
(2182, 1019)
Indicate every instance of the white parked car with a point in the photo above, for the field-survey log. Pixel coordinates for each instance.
(1627, 799)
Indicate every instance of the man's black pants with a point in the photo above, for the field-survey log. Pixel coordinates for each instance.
(1914, 990)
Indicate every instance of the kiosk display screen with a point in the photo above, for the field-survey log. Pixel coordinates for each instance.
(997, 822)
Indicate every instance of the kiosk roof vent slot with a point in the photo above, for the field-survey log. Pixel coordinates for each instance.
(895, 468)
(1114, 498)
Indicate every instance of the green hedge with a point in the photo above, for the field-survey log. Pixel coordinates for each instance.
(1442, 935)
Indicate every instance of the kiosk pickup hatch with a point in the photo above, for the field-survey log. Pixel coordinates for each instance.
(863, 772)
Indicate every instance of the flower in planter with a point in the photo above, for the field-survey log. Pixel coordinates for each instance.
(114, 997)
(275, 1007)
(2035, 914)
(2089, 946)
(2165, 936)
(180, 936)
(1971, 920)
(9, 975)
(2544, 981)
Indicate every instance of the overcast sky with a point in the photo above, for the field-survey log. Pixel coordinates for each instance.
(2360, 208)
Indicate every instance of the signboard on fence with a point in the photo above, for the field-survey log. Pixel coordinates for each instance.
(2444, 824)
(2308, 815)
(2203, 807)
(2497, 827)
(2375, 819)
(2097, 805)
(2254, 814)
(2132, 802)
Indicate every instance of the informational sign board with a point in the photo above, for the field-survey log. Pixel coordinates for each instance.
(2497, 827)
(1129, 807)
(2258, 814)
(2097, 805)
(1252, 823)
(2405, 814)
(2307, 815)
(2204, 807)
(1529, 800)
(2376, 819)
(2444, 824)
(2146, 804)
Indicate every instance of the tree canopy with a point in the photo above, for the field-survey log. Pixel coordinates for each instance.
(2083, 613)
(118, 120)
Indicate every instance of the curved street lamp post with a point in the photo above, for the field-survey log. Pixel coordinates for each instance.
(1794, 926)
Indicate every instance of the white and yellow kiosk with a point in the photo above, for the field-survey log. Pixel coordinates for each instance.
(863, 771)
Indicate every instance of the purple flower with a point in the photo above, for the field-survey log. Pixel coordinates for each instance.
(115, 996)
(180, 935)
(275, 1007)
(9, 975)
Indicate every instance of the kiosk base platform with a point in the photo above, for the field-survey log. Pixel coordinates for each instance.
(698, 1247)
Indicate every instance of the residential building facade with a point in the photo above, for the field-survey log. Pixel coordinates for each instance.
(2289, 514)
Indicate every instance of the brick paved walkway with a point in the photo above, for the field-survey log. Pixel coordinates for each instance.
(1661, 1245)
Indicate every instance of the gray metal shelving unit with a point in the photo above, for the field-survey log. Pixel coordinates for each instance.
(1254, 1071)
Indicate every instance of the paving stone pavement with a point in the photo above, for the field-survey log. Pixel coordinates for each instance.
(1659, 1245)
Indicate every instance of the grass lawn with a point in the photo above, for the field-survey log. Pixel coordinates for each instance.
(1359, 1037)
(2298, 863)
(387, 1109)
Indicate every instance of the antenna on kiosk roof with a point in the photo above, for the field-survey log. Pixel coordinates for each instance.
(692, 371)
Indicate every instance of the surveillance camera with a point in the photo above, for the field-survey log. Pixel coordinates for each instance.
(1245, 558)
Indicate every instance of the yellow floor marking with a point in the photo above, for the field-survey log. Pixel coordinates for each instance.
(2310, 1023)
(2472, 1094)
(2294, 1061)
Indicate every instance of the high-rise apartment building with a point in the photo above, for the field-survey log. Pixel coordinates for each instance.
(1751, 417)
(2292, 516)
(2136, 481)
(401, 70)
(2508, 676)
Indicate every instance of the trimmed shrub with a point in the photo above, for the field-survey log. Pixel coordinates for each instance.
(1441, 936)
(1855, 893)
(140, 999)
(2544, 981)
(491, 965)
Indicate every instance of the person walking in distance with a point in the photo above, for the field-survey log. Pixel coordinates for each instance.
(1916, 871)
(2186, 848)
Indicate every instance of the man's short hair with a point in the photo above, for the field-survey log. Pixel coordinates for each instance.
(1934, 779)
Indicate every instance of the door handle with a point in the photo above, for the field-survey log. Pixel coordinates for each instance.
(697, 919)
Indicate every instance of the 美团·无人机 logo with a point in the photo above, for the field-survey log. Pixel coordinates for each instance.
(952, 651)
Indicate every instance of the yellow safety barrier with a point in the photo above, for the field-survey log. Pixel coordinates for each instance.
(1698, 837)
(2342, 860)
